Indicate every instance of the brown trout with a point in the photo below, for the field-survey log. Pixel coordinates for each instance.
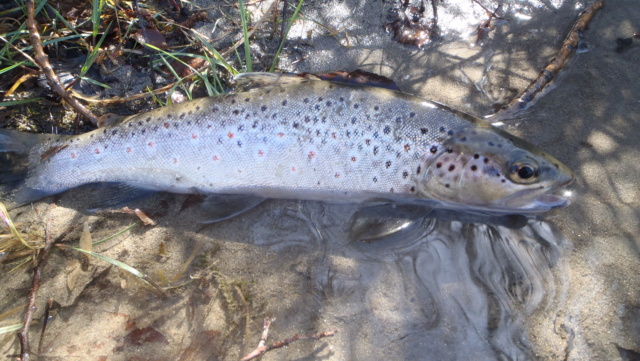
(284, 136)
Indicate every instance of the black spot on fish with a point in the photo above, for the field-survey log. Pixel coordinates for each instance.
(143, 131)
(387, 130)
(319, 99)
(149, 119)
(376, 108)
(476, 156)
(388, 164)
(354, 120)
(452, 167)
(307, 119)
(375, 150)
(405, 174)
(418, 170)
(447, 185)
(317, 107)
(424, 130)
(113, 132)
(503, 180)
(412, 189)
(474, 168)
(284, 102)
(375, 179)
(263, 108)
(305, 100)
(198, 107)
(341, 99)
(442, 129)
(356, 106)
(434, 149)
(246, 100)
(398, 120)
(240, 144)
(328, 103)
(450, 132)
(236, 112)
(412, 114)
(296, 125)
(391, 190)
(274, 115)
(449, 150)
(486, 160)
(130, 124)
(240, 127)
(91, 136)
(438, 165)
(233, 101)
(213, 109)
(376, 135)
(491, 144)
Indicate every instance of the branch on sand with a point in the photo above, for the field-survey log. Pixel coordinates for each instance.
(23, 335)
(262, 349)
(569, 46)
(42, 61)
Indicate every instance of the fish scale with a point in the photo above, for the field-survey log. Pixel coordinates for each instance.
(289, 138)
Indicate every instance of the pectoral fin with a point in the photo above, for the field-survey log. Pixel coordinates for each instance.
(375, 222)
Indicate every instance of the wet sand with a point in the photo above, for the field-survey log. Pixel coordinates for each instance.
(564, 288)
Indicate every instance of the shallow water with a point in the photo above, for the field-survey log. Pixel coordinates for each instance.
(562, 288)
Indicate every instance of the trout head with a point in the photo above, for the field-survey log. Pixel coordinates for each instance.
(489, 169)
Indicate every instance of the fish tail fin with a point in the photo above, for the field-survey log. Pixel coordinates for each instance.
(15, 165)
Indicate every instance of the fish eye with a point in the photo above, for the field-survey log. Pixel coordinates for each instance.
(524, 172)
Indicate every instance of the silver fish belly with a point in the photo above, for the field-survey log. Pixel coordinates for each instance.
(306, 139)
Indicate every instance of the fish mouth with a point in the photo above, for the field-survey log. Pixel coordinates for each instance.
(547, 199)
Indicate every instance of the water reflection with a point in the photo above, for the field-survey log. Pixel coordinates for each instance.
(439, 287)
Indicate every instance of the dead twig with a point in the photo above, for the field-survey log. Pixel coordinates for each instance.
(42, 61)
(262, 349)
(23, 335)
(549, 73)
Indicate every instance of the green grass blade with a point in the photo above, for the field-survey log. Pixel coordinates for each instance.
(217, 55)
(276, 58)
(10, 328)
(123, 266)
(129, 227)
(245, 32)
(10, 67)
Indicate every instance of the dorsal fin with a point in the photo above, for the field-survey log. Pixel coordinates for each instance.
(248, 81)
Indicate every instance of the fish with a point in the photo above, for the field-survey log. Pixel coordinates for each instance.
(291, 137)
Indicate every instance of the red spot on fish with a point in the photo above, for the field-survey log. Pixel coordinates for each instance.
(150, 144)
(407, 147)
(281, 134)
(73, 155)
(97, 151)
(128, 150)
(166, 125)
(175, 160)
(367, 141)
(194, 136)
(333, 135)
(230, 135)
(260, 153)
(293, 169)
(312, 154)
(215, 157)
(337, 175)
(353, 159)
